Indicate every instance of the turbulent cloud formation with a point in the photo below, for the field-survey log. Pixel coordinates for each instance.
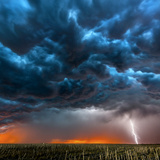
(74, 54)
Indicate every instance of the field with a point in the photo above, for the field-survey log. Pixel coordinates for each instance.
(78, 152)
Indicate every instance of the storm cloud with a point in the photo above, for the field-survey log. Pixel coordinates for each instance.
(71, 55)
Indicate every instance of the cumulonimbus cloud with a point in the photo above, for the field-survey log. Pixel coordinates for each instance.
(75, 54)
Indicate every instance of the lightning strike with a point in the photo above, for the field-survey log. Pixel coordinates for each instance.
(133, 132)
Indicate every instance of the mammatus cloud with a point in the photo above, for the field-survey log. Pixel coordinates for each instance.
(77, 54)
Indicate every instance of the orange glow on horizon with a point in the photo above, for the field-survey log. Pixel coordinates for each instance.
(11, 136)
(17, 135)
(94, 140)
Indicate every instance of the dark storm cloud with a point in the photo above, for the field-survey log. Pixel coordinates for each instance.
(76, 54)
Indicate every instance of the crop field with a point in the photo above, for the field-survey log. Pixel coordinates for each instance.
(79, 152)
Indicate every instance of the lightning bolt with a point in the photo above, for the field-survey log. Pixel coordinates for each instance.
(133, 132)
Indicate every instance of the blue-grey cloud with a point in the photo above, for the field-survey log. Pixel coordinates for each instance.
(76, 54)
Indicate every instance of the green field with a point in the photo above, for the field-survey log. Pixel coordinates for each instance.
(78, 152)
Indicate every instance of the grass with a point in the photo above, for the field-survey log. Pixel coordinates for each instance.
(79, 152)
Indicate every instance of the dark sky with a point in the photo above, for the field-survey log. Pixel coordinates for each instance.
(78, 71)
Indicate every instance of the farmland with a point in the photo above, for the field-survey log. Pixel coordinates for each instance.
(79, 152)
